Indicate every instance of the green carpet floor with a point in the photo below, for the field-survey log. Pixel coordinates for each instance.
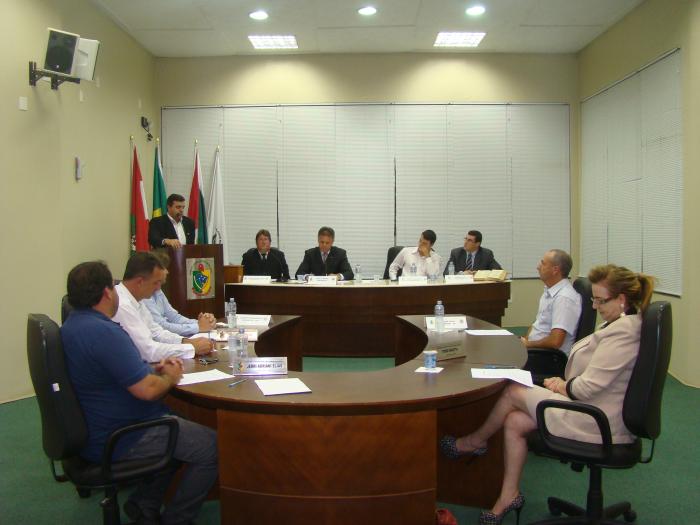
(662, 492)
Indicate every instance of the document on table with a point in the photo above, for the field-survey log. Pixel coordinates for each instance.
(253, 320)
(203, 377)
(524, 377)
(275, 387)
(489, 332)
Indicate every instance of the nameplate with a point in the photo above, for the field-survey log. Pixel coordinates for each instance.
(322, 280)
(459, 279)
(413, 280)
(260, 366)
(257, 279)
(252, 320)
(452, 322)
(449, 351)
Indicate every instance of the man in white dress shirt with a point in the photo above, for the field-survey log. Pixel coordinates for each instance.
(426, 260)
(560, 305)
(144, 274)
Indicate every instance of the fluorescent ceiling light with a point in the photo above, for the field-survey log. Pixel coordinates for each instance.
(367, 10)
(273, 41)
(258, 15)
(476, 10)
(445, 39)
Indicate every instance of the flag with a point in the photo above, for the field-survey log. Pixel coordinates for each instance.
(159, 196)
(139, 216)
(195, 209)
(216, 222)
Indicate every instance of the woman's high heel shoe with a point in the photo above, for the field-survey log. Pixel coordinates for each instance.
(448, 447)
(489, 518)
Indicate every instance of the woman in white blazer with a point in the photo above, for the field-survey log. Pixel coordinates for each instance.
(597, 373)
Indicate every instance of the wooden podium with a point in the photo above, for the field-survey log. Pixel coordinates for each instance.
(183, 292)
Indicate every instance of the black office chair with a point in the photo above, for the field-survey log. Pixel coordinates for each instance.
(64, 432)
(641, 414)
(390, 256)
(551, 362)
(66, 308)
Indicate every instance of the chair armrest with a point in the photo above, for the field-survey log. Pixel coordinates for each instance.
(118, 434)
(546, 351)
(567, 447)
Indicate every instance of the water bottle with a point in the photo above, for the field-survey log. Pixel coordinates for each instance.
(242, 344)
(358, 274)
(231, 313)
(232, 351)
(414, 269)
(450, 268)
(439, 317)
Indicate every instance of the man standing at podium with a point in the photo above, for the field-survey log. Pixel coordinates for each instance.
(172, 229)
(472, 257)
(264, 259)
(326, 259)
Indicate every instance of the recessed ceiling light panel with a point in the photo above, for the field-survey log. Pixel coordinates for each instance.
(476, 10)
(445, 39)
(258, 15)
(273, 41)
(367, 10)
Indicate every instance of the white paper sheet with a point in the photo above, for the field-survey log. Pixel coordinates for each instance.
(274, 387)
(523, 377)
(489, 332)
(423, 370)
(253, 320)
(202, 377)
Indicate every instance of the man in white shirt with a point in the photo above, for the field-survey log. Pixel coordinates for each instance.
(144, 274)
(427, 262)
(560, 305)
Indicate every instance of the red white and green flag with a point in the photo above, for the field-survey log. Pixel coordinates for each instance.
(139, 215)
(195, 209)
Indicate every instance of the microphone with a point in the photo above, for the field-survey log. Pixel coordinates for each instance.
(273, 255)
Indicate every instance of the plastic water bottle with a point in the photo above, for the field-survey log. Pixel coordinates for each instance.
(231, 313)
(450, 268)
(414, 269)
(242, 344)
(358, 274)
(439, 317)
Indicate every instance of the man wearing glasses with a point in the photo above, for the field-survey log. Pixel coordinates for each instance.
(472, 257)
(560, 305)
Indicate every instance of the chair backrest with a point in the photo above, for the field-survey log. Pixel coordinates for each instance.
(586, 323)
(642, 407)
(66, 308)
(64, 432)
(390, 256)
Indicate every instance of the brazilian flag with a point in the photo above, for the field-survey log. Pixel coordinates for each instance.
(159, 195)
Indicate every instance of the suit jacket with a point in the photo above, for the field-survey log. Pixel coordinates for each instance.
(600, 367)
(275, 265)
(161, 228)
(483, 260)
(337, 262)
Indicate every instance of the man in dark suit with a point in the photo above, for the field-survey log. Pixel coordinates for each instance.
(472, 257)
(172, 229)
(265, 260)
(326, 259)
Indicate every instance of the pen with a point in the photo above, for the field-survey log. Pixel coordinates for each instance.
(236, 382)
(498, 366)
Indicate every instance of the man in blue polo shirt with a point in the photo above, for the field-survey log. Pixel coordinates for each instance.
(115, 387)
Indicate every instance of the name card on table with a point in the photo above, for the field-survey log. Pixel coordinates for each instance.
(460, 278)
(322, 280)
(260, 366)
(449, 350)
(257, 279)
(252, 320)
(452, 322)
(413, 280)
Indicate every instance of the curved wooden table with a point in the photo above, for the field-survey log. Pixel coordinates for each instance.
(362, 447)
(354, 320)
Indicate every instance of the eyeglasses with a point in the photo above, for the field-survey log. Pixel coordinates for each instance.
(208, 360)
(599, 301)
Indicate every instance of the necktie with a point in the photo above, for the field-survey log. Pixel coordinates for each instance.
(470, 261)
(264, 257)
(324, 256)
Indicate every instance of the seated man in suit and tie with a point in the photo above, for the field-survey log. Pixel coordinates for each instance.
(172, 229)
(265, 260)
(472, 257)
(425, 260)
(326, 259)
